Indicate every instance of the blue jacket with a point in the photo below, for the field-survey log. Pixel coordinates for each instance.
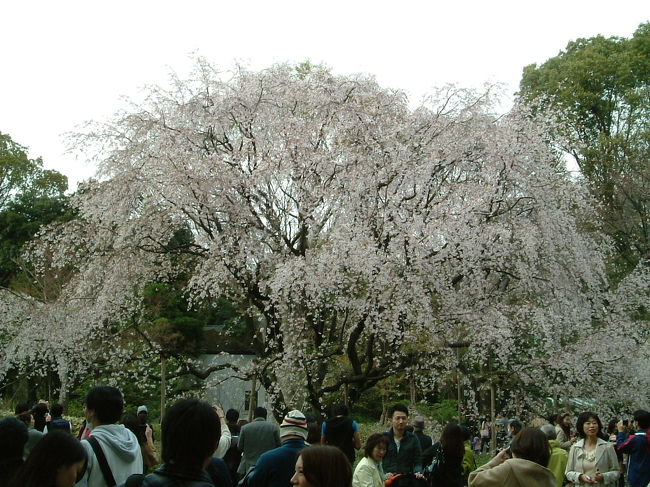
(276, 467)
(638, 448)
(409, 457)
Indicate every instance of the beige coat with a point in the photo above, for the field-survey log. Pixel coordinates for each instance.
(514, 472)
(606, 462)
(368, 474)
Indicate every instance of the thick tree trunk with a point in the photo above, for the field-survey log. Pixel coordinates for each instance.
(163, 386)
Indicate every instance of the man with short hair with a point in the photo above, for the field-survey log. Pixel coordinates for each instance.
(559, 456)
(342, 432)
(404, 454)
(255, 438)
(418, 431)
(57, 422)
(113, 450)
(276, 467)
(190, 435)
(637, 447)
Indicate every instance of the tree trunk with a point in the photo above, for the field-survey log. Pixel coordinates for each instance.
(412, 387)
(493, 439)
(163, 386)
(252, 403)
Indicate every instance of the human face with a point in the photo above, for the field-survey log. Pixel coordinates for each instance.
(378, 452)
(567, 421)
(399, 421)
(66, 476)
(299, 478)
(590, 427)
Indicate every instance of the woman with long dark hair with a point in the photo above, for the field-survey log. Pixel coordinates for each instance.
(444, 469)
(527, 467)
(563, 429)
(592, 460)
(58, 460)
(322, 466)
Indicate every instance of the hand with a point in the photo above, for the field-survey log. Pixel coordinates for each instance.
(389, 475)
(586, 479)
(598, 477)
(219, 411)
(501, 457)
(620, 426)
(418, 475)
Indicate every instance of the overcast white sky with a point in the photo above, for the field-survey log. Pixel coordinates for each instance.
(65, 62)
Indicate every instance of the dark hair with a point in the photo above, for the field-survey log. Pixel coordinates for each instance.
(452, 441)
(341, 410)
(611, 426)
(39, 411)
(132, 423)
(259, 412)
(532, 444)
(559, 420)
(398, 407)
(21, 407)
(467, 434)
(582, 419)
(516, 425)
(56, 411)
(25, 417)
(55, 450)
(107, 403)
(232, 415)
(190, 432)
(372, 441)
(13, 436)
(643, 418)
(326, 466)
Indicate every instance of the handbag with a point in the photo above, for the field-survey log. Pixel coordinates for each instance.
(431, 471)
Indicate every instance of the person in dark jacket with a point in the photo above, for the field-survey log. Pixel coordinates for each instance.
(447, 454)
(637, 447)
(57, 422)
(404, 454)
(13, 437)
(276, 467)
(418, 430)
(342, 432)
(190, 434)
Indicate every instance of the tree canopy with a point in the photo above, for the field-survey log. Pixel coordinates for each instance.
(599, 89)
(30, 197)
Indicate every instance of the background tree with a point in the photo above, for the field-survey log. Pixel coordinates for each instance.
(30, 197)
(599, 89)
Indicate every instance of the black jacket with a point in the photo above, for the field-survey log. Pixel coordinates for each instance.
(162, 477)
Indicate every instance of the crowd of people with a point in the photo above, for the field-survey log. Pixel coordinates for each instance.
(202, 446)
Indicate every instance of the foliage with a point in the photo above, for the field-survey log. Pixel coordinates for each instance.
(442, 412)
(30, 197)
(358, 237)
(599, 88)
